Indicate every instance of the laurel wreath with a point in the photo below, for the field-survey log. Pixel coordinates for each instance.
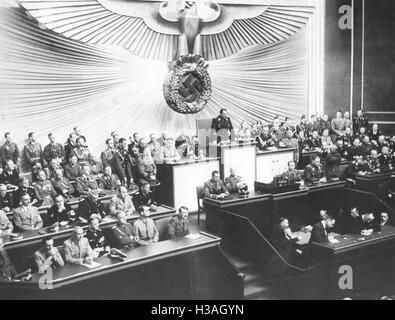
(187, 64)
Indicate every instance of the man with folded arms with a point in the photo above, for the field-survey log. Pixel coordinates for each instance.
(26, 217)
(48, 256)
(178, 225)
(77, 249)
(121, 235)
(122, 202)
(144, 228)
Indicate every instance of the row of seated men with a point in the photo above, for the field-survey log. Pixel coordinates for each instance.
(27, 216)
(84, 247)
(131, 161)
(43, 191)
(285, 241)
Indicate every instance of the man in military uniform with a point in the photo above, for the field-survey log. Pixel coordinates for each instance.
(121, 235)
(96, 238)
(121, 164)
(146, 167)
(385, 159)
(6, 226)
(90, 206)
(314, 172)
(178, 226)
(9, 150)
(44, 189)
(62, 185)
(303, 142)
(48, 256)
(359, 121)
(215, 188)
(107, 155)
(23, 188)
(109, 181)
(82, 153)
(355, 150)
(231, 182)
(358, 165)
(264, 140)
(292, 175)
(373, 162)
(70, 145)
(10, 176)
(72, 170)
(122, 202)
(348, 138)
(341, 148)
(86, 182)
(222, 126)
(168, 152)
(338, 125)
(6, 199)
(153, 145)
(315, 142)
(144, 197)
(332, 164)
(144, 228)
(33, 153)
(53, 150)
(26, 217)
(61, 213)
(7, 269)
(366, 146)
(77, 249)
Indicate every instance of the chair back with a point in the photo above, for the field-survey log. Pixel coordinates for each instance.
(199, 196)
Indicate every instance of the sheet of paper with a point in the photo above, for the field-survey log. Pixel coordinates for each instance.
(193, 236)
(92, 265)
(332, 240)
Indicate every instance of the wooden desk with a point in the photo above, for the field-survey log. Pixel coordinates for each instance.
(20, 250)
(175, 269)
(274, 162)
(377, 183)
(371, 259)
(240, 157)
(180, 179)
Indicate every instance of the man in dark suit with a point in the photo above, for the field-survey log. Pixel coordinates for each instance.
(121, 235)
(358, 223)
(178, 225)
(320, 231)
(222, 126)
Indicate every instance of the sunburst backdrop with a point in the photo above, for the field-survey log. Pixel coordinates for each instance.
(50, 83)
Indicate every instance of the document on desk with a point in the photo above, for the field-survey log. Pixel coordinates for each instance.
(92, 265)
(333, 240)
(193, 236)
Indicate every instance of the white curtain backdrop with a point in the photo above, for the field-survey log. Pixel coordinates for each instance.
(51, 84)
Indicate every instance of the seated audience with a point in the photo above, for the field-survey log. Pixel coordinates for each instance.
(109, 181)
(62, 185)
(96, 238)
(86, 182)
(232, 182)
(72, 170)
(77, 249)
(359, 121)
(6, 226)
(385, 159)
(374, 133)
(366, 146)
(360, 224)
(26, 217)
(48, 256)
(373, 162)
(314, 172)
(178, 226)
(61, 213)
(383, 219)
(121, 236)
(70, 145)
(122, 202)
(264, 140)
(144, 228)
(44, 190)
(215, 188)
(90, 206)
(153, 145)
(338, 125)
(332, 164)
